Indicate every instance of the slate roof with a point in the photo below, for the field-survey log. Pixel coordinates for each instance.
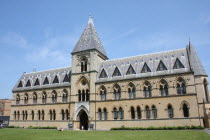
(89, 40)
(50, 74)
(152, 60)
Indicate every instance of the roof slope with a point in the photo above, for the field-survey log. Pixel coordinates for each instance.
(195, 62)
(89, 40)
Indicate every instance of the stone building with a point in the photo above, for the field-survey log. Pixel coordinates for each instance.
(160, 89)
(5, 109)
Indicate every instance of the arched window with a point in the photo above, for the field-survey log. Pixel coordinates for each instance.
(103, 93)
(23, 114)
(121, 113)
(80, 96)
(18, 115)
(170, 111)
(51, 114)
(43, 114)
(117, 92)
(35, 98)
(115, 113)
(181, 86)
(14, 115)
(62, 114)
(44, 98)
(87, 95)
(26, 115)
(83, 64)
(54, 115)
(39, 115)
(105, 114)
(205, 84)
(26, 99)
(147, 112)
(139, 112)
(147, 90)
(132, 113)
(163, 88)
(83, 95)
(32, 115)
(185, 110)
(131, 91)
(54, 97)
(17, 99)
(65, 96)
(67, 114)
(99, 114)
(154, 112)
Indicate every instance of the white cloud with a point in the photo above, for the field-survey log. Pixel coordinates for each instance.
(13, 39)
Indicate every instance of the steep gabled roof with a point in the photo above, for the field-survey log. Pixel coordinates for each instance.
(195, 62)
(89, 40)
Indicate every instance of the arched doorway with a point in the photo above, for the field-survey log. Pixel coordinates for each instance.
(83, 117)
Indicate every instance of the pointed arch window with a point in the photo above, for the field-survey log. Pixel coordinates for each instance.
(17, 99)
(39, 115)
(105, 114)
(163, 88)
(130, 70)
(132, 113)
(23, 115)
(103, 74)
(67, 114)
(154, 112)
(36, 82)
(185, 110)
(181, 86)
(54, 115)
(99, 114)
(43, 114)
(147, 90)
(178, 64)
(170, 111)
(116, 72)
(44, 98)
(121, 113)
(161, 66)
(26, 115)
(65, 96)
(117, 92)
(18, 115)
(83, 64)
(62, 114)
(103, 93)
(145, 68)
(55, 80)
(115, 113)
(28, 84)
(14, 115)
(131, 91)
(51, 115)
(32, 115)
(35, 98)
(79, 96)
(20, 84)
(147, 110)
(54, 97)
(66, 78)
(25, 98)
(46, 81)
(139, 112)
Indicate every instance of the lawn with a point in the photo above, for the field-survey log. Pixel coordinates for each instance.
(34, 134)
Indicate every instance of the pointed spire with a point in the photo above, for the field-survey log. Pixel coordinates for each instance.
(89, 40)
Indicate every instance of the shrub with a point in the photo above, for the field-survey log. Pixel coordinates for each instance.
(158, 128)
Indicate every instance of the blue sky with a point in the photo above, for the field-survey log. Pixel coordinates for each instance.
(42, 33)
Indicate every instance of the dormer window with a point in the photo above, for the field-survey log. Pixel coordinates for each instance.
(46, 81)
(66, 78)
(36, 82)
(28, 84)
(145, 68)
(161, 66)
(178, 64)
(116, 72)
(55, 80)
(130, 70)
(103, 74)
(20, 84)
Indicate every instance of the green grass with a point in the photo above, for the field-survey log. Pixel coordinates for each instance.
(35, 134)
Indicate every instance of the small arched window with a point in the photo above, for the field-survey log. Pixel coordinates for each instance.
(26, 115)
(54, 115)
(131, 91)
(65, 96)
(147, 90)
(26, 99)
(87, 95)
(67, 114)
(17, 99)
(44, 98)
(105, 114)
(205, 84)
(185, 110)
(121, 113)
(117, 92)
(54, 97)
(99, 114)
(32, 115)
(39, 115)
(181, 86)
(103, 93)
(132, 113)
(163, 88)
(62, 114)
(18, 115)
(51, 115)
(154, 112)
(23, 115)
(139, 112)
(43, 114)
(79, 96)
(170, 111)
(115, 113)
(35, 98)
(147, 110)
(14, 115)
(83, 64)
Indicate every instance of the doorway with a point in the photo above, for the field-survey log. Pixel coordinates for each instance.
(83, 120)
